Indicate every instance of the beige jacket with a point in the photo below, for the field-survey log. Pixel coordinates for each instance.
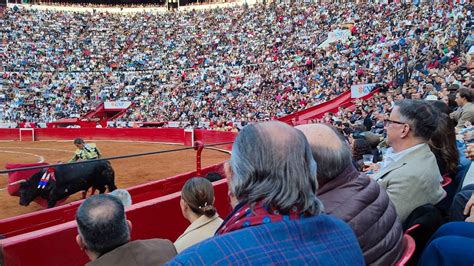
(412, 181)
(463, 115)
(201, 229)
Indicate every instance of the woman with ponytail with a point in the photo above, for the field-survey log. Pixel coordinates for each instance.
(197, 206)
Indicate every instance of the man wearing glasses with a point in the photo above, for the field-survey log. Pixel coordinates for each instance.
(410, 173)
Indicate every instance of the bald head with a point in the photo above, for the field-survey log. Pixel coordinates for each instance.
(331, 152)
(320, 135)
(280, 136)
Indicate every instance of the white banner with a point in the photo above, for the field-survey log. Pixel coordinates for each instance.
(117, 105)
(361, 90)
(334, 36)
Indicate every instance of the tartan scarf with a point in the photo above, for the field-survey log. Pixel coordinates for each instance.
(243, 216)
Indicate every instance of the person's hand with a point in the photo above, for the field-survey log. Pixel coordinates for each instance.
(470, 219)
(469, 152)
(469, 209)
(372, 168)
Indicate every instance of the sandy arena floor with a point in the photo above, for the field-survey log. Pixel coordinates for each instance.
(128, 172)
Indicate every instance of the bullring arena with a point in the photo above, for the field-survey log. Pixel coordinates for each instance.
(152, 180)
(163, 88)
(129, 172)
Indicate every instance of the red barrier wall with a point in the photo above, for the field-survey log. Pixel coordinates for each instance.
(9, 134)
(49, 217)
(156, 218)
(168, 135)
(319, 110)
(172, 135)
(213, 136)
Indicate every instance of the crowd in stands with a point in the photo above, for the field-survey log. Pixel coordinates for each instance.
(300, 195)
(227, 65)
(298, 198)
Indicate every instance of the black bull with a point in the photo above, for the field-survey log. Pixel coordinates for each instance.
(69, 180)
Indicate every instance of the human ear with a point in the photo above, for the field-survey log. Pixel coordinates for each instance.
(80, 242)
(129, 223)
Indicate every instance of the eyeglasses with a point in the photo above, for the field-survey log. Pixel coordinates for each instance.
(388, 122)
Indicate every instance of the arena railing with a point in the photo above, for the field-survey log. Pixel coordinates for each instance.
(30, 222)
(319, 110)
(56, 245)
(41, 219)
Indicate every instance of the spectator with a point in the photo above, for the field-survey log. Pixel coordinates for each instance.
(373, 140)
(465, 111)
(452, 243)
(104, 235)
(123, 196)
(277, 216)
(410, 170)
(359, 148)
(197, 206)
(458, 211)
(230, 74)
(443, 146)
(354, 197)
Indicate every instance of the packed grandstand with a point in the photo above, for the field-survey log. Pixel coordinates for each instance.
(230, 64)
(392, 163)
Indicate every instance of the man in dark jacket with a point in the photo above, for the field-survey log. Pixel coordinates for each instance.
(354, 197)
(104, 235)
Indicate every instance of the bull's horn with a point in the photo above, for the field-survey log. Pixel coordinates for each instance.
(17, 182)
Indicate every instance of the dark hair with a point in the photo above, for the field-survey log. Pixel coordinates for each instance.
(359, 148)
(441, 106)
(452, 101)
(213, 176)
(443, 145)
(78, 141)
(198, 193)
(465, 93)
(420, 115)
(102, 223)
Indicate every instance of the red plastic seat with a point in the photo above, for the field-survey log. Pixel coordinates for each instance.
(446, 181)
(408, 250)
(411, 229)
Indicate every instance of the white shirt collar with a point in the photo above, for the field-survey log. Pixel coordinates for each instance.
(391, 157)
